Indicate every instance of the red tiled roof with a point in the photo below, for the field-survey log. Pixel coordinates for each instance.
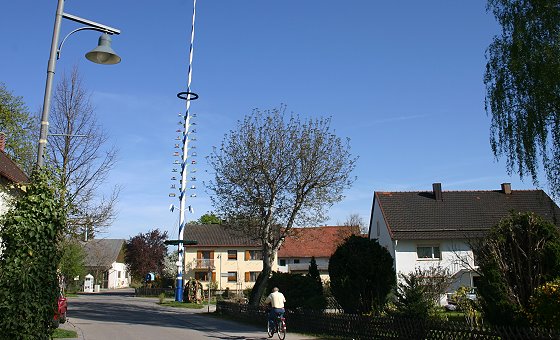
(10, 170)
(315, 241)
(460, 214)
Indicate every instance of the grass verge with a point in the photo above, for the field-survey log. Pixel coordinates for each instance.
(64, 334)
(182, 305)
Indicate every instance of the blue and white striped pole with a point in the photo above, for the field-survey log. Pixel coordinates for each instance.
(184, 170)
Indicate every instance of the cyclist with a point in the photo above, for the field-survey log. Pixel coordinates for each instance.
(276, 300)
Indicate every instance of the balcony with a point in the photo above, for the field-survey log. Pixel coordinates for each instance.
(204, 264)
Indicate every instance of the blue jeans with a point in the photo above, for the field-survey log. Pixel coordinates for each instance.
(274, 312)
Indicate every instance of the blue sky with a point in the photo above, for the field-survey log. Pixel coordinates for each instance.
(402, 79)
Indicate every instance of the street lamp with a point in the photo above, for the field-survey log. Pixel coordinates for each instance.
(102, 54)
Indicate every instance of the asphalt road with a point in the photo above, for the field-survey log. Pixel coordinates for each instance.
(119, 315)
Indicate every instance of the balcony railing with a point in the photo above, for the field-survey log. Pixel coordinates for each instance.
(204, 263)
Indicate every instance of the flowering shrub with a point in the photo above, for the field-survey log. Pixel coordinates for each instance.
(544, 305)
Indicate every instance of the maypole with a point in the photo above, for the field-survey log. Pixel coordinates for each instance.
(187, 136)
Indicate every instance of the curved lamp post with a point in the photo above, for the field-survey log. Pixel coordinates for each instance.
(102, 54)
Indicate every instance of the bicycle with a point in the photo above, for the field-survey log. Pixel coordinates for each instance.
(277, 326)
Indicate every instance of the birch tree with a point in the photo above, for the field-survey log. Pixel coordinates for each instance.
(522, 80)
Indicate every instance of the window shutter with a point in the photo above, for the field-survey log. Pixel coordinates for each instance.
(247, 277)
(199, 254)
(211, 254)
(247, 255)
(213, 276)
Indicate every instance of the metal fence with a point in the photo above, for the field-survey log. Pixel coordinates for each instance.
(366, 327)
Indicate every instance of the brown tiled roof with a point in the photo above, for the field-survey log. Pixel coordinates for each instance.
(215, 235)
(315, 241)
(102, 252)
(10, 170)
(460, 214)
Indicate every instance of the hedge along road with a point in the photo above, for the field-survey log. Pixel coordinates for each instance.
(117, 316)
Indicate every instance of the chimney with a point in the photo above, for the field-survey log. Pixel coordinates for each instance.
(506, 188)
(437, 191)
(2, 141)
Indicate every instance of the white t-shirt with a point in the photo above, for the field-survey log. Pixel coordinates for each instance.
(276, 299)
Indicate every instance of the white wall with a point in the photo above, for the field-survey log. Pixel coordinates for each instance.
(114, 280)
(378, 230)
(6, 196)
(455, 255)
(303, 266)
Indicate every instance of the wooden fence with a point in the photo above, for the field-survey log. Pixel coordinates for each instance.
(364, 327)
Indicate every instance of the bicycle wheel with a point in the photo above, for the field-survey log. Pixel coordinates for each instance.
(281, 327)
(269, 329)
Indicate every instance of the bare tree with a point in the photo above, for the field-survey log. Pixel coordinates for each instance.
(355, 220)
(274, 172)
(78, 148)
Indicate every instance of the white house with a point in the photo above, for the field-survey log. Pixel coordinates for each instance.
(105, 261)
(430, 229)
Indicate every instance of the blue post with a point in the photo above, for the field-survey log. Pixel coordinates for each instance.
(179, 288)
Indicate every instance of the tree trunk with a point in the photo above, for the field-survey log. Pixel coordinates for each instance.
(260, 285)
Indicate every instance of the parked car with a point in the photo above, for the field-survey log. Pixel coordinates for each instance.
(60, 311)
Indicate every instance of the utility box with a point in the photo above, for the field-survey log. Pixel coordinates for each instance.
(88, 284)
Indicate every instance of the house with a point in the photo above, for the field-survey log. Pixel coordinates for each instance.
(105, 261)
(10, 174)
(222, 255)
(433, 228)
(304, 243)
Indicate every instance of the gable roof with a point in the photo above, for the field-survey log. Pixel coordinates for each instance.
(10, 170)
(102, 252)
(315, 241)
(459, 214)
(215, 235)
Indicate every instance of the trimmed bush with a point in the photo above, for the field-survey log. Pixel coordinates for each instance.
(362, 275)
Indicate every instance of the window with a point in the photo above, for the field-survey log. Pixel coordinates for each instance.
(201, 276)
(253, 255)
(283, 262)
(204, 259)
(428, 252)
(232, 276)
(119, 274)
(232, 254)
(296, 261)
(378, 229)
(251, 276)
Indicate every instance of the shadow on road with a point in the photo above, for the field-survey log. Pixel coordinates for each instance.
(128, 312)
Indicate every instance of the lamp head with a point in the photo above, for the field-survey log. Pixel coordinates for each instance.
(103, 53)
